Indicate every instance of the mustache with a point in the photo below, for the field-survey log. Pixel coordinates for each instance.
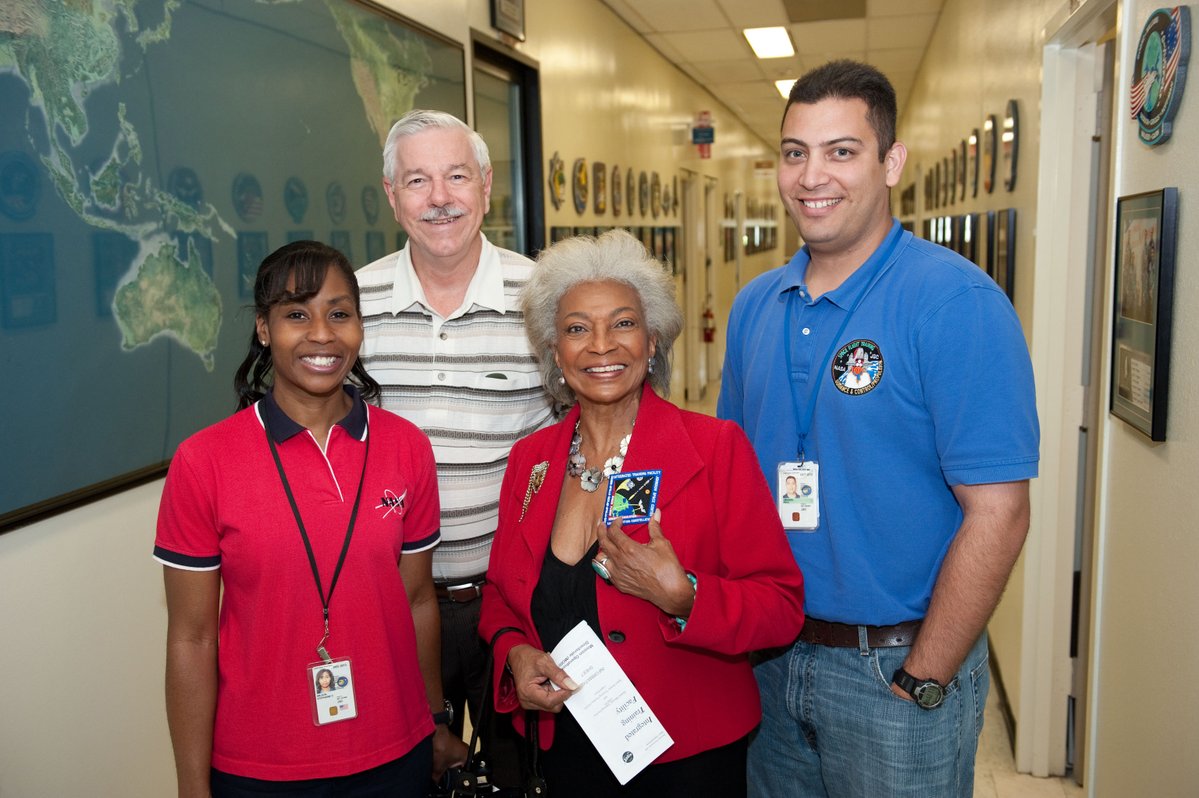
(442, 212)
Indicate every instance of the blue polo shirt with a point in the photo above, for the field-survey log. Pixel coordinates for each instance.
(927, 386)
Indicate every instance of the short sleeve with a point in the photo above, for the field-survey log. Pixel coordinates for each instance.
(978, 384)
(187, 536)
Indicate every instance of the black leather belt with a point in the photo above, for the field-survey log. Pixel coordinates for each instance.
(845, 635)
(461, 592)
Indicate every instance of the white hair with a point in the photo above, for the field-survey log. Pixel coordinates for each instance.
(419, 120)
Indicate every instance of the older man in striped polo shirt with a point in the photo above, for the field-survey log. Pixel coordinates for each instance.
(445, 338)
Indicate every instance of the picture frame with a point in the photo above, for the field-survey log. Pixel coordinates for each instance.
(962, 170)
(1010, 144)
(599, 187)
(509, 16)
(1143, 300)
(988, 159)
(972, 161)
(987, 255)
(1004, 271)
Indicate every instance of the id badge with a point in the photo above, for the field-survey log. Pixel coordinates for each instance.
(332, 689)
(799, 495)
(632, 497)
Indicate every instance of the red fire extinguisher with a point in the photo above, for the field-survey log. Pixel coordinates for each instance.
(709, 325)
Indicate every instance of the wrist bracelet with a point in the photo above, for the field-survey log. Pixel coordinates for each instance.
(682, 622)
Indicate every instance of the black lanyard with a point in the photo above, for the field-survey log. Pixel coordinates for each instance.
(345, 547)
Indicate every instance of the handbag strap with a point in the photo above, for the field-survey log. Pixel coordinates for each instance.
(535, 786)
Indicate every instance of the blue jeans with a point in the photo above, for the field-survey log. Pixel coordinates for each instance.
(832, 727)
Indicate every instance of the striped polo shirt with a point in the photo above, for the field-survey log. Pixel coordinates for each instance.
(469, 381)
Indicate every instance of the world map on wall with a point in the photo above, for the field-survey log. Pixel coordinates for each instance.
(152, 152)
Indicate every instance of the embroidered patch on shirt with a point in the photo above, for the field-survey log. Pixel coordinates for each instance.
(857, 367)
(390, 503)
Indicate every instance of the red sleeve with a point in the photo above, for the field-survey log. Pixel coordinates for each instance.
(187, 535)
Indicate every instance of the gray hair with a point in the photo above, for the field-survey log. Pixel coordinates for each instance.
(614, 256)
(419, 120)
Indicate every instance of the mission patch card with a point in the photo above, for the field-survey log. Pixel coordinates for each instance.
(632, 497)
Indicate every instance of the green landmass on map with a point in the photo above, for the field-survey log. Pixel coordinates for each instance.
(169, 297)
(388, 70)
(63, 52)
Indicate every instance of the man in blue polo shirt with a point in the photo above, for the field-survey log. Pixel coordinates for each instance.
(890, 379)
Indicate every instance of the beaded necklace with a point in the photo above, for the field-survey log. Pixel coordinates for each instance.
(590, 478)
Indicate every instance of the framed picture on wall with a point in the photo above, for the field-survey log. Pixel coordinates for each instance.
(988, 161)
(1146, 230)
(509, 17)
(987, 255)
(1004, 270)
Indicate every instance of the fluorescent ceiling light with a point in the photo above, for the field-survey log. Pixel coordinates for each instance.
(770, 42)
(784, 87)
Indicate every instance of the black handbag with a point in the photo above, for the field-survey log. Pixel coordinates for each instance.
(474, 778)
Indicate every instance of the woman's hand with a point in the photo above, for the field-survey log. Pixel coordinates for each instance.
(650, 571)
(533, 671)
(448, 751)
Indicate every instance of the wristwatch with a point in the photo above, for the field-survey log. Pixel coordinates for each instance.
(445, 717)
(927, 693)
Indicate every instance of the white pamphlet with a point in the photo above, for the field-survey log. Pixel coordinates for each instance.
(613, 715)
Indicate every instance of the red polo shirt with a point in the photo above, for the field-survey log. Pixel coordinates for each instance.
(224, 507)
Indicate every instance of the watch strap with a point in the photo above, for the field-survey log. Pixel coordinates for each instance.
(446, 716)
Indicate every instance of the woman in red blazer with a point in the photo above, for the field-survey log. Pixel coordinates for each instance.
(709, 579)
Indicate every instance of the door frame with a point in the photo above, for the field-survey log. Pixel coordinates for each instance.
(526, 75)
(1061, 340)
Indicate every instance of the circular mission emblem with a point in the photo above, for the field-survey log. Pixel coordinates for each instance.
(857, 367)
(1159, 72)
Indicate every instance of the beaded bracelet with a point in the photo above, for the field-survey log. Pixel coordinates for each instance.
(682, 622)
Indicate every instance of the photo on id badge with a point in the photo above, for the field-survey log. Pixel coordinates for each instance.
(799, 495)
(332, 692)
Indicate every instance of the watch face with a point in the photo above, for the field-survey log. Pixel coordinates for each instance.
(929, 695)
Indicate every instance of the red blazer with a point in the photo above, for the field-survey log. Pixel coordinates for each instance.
(719, 515)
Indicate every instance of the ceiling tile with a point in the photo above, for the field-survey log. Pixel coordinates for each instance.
(815, 10)
(738, 71)
(910, 30)
(895, 8)
(629, 14)
(906, 60)
(815, 59)
(708, 45)
(665, 48)
(681, 15)
(754, 13)
(849, 34)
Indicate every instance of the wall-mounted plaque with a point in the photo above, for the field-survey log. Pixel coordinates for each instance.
(1009, 144)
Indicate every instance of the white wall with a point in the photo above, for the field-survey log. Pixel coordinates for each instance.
(1145, 673)
(84, 631)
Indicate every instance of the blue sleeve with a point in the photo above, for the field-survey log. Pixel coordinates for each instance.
(977, 379)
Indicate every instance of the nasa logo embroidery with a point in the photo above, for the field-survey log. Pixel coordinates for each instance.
(1159, 72)
(390, 503)
(857, 367)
